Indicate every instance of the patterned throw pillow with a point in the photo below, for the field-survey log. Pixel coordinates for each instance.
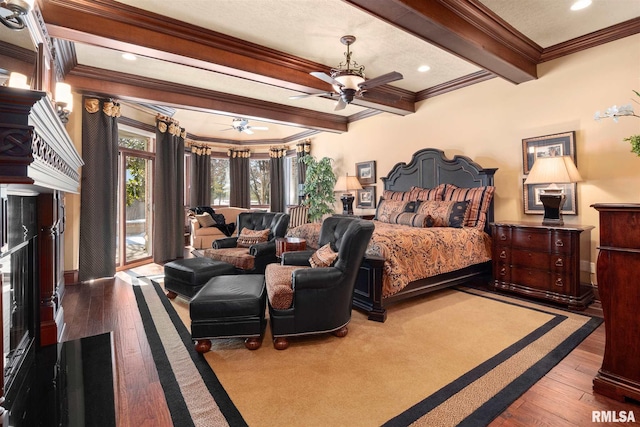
(249, 237)
(411, 219)
(323, 257)
(395, 195)
(443, 214)
(205, 220)
(417, 193)
(479, 200)
(386, 208)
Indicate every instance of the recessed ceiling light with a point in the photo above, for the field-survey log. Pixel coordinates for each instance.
(129, 56)
(580, 4)
(424, 68)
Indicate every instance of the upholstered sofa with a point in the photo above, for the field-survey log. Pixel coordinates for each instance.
(203, 237)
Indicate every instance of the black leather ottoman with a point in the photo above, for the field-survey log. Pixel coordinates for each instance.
(227, 307)
(187, 276)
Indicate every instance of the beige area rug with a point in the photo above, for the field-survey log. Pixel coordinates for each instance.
(455, 357)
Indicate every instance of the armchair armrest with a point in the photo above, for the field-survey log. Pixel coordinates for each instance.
(264, 248)
(297, 257)
(226, 242)
(316, 278)
(193, 222)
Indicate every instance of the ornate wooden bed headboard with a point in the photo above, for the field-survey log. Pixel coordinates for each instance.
(430, 167)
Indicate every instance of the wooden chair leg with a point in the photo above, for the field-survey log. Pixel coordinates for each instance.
(342, 332)
(171, 295)
(202, 346)
(281, 343)
(253, 343)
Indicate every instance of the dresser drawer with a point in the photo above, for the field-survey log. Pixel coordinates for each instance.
(531, 277)
(532, 239)
(530, 259)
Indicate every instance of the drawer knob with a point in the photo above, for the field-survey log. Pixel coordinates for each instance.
(503, 271)
(503, 254)
(559, 262)
(559, 282)
(559, 243)
(503, 237)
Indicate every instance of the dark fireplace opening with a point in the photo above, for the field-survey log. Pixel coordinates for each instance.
(19, 281)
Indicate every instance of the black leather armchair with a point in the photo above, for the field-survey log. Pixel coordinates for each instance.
(255, 258)
(322, 296)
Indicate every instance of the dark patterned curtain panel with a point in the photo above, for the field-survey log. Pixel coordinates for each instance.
(303, 148)
(99, 187)
(277, 156)
(239, 178)
(168, 191)
(200, 176)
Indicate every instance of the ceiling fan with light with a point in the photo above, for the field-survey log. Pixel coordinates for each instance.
(348, 79)
(242, 125)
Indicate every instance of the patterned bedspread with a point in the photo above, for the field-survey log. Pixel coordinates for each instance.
(413, 253)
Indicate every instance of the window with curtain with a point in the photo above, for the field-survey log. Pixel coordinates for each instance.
(220, 181)
(260, 183)
(291, 180)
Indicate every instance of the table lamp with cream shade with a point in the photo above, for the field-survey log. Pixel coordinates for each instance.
(553, 171)
(346, 184)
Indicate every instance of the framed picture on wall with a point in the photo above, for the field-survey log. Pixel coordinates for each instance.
(366, 172)
(560, 144)
(366, 198)
(533, 205)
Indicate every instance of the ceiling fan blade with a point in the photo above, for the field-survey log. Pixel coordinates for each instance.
(341, 105)
(310, 95)
(380, 80)
(259, 128)
(325, 77)
(247, 131)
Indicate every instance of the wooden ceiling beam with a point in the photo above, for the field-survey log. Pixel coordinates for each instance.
(465, 28)
(130, 87)
(117, 26)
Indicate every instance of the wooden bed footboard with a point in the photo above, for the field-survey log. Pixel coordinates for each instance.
(368, 290)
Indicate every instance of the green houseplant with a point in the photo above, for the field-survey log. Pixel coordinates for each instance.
(615, 113)
(318, 186)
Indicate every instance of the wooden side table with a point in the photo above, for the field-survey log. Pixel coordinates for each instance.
(543, 261)
(289, 244)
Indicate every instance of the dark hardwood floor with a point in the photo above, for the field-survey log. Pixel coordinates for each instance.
(564, 397)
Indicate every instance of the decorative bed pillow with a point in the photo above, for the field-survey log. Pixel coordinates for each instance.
(479, 200)
(395, 195)
(386, 208)
(443, 213)
(323, 257)
(417, 193)
(411, 219)
(248, 237)
(205, 220)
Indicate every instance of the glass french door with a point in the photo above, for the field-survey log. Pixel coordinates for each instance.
(135, 205)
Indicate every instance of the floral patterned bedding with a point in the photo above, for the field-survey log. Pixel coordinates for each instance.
(414, 253)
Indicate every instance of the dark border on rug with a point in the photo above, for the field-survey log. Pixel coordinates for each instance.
(177, 406)
(502, 400)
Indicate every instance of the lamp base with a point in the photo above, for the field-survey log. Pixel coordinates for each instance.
(347, 204)
(552, 204)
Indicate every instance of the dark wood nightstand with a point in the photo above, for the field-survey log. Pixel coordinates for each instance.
(543, 261)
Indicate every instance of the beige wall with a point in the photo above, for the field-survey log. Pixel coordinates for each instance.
(488, 121)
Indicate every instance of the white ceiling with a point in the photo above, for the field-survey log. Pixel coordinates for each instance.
(311, 29)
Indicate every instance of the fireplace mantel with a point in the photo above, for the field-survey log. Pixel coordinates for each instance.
(35, 148)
